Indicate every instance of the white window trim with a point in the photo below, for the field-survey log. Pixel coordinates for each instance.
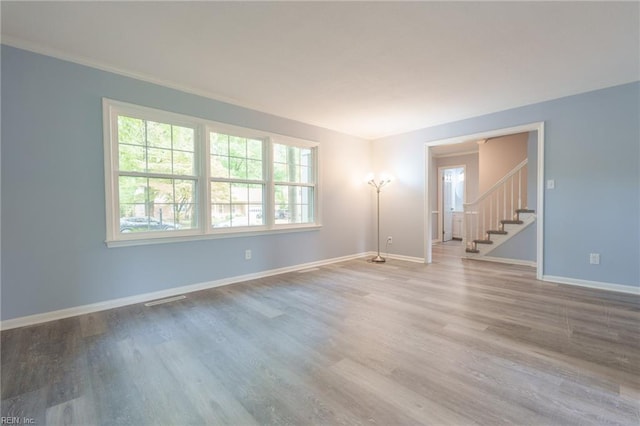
(111, 110)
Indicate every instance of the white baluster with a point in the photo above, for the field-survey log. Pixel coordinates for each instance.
(520, 189)
(512, 209)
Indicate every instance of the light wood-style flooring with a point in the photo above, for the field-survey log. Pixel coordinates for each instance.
(456, 342)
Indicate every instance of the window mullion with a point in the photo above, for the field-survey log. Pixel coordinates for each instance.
(306, 185)
(205, 176)
(269, 197)
(158, 175)
(230, 180)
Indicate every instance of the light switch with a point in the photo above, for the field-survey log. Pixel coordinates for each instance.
(551, 184)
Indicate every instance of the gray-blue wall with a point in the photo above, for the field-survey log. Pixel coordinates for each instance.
(521, 246)
(53, 202)
(592, 151)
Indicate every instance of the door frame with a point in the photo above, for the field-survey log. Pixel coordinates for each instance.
(428, 207)
(440, 199)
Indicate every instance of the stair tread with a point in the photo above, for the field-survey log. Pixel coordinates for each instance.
(525, 211)
(483, 241)
(511, 222)
(492, 231)
(472, 250)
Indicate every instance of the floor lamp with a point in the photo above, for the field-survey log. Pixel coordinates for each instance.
(378, 186)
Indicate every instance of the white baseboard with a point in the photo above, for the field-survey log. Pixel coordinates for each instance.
(406, 258)
(397, 257)
(146, 297)
(593, 284)
(505, 260)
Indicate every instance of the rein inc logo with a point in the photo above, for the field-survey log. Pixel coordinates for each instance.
(17, 420)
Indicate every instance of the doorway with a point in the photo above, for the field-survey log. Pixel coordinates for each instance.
(451, 199)
(431, 187)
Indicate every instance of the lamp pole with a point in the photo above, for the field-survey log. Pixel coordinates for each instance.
(378, 186)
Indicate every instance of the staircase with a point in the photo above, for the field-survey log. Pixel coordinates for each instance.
(506, 230)
(498, 214)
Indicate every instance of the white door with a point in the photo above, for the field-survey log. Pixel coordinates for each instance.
(451, 200)
(447, 206)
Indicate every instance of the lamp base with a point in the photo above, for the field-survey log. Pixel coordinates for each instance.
(378, 259)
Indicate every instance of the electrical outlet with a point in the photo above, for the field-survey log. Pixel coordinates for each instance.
(389, 240)
(247, 255)
(594, 258)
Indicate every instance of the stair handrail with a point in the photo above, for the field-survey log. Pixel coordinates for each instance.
(479, 215)
(499, 183)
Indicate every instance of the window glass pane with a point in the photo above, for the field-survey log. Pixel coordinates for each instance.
(165, 215)
(145, 224)
(239, 192)
(237, 147)
(306, 166)
(160, 191)
(279, 153)
(294, 204)
(256, 216)
(133, 191)
(238, 168)
(132, 158)
(233, 157)
(280, 172)
(256, 193)
(220, 215)
(183, 163)
(236, 204)
(239, 216)
(221, 192)
(292, 164)
(254, 149)
(158, 134)
(159, 160)
(220, 203)
(184, 210)
(183, 138)
(293, 155)
(305, 156)
(219, 144)
(254, 170)
(131, 130)
(219, 167)
(305, 174)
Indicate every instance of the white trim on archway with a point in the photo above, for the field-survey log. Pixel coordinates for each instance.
(428, 207)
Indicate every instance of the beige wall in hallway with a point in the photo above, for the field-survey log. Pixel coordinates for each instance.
(498, 156)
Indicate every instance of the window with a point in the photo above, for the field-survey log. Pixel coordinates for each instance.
(157, 181)
(293, 173)
(237, 181)
(173, 177)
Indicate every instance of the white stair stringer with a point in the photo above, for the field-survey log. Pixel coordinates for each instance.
(498, 239)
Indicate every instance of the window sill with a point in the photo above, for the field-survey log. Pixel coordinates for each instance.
(282, 229)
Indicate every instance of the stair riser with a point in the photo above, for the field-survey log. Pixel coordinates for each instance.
(499, 239)
(526, 216)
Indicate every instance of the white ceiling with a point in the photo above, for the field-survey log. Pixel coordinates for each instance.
(364, 68)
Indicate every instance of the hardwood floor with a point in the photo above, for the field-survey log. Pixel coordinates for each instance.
(456, 342)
